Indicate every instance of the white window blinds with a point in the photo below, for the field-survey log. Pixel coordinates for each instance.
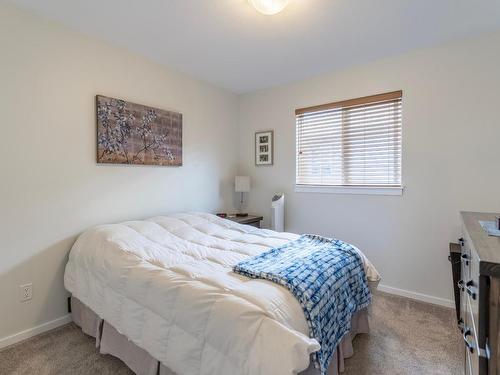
(351, 143)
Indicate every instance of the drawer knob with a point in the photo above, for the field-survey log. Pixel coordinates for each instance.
(461, 325)
(468, 344)
(465, 259)
(471, 290)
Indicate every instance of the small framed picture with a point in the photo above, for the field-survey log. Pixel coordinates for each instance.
(264, 147)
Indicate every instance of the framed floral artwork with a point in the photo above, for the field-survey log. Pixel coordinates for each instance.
(264, 144)
(129, 133)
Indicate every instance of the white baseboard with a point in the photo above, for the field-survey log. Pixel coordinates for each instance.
(417, 296)
(26, 334)
(23, 335)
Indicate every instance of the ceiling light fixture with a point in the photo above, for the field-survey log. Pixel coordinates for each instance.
(269, 7)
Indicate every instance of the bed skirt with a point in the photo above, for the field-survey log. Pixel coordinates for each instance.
(110, 341)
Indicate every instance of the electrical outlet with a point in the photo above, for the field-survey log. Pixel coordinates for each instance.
(25, 292)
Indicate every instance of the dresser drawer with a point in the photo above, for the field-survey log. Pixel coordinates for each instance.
(471, 363)
(465, 257)
(470, 345)
(469, 285)
(472, 292)
(472, 321)
(467, 367)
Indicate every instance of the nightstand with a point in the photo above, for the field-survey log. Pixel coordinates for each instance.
(248, 220)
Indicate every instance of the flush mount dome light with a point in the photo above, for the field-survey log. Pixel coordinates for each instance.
(269, 7)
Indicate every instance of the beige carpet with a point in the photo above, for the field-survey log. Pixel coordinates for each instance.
(407, 337)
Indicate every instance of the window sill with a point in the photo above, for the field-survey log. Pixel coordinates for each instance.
(364, 190)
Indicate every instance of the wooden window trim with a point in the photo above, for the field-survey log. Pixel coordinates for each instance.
(352, 102)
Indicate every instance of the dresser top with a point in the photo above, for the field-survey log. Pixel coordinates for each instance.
(487, 247)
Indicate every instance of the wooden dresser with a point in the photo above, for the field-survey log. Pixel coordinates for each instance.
(479, 287)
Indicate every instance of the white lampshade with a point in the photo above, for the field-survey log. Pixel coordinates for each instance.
(242, 184)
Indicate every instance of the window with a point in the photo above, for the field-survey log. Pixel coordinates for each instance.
(351, 146)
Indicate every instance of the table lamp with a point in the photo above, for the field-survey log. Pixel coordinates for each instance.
(242, 185)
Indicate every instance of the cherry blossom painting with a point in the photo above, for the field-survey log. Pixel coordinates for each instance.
(129, 133)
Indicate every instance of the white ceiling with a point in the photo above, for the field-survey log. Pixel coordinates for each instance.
(227, 43)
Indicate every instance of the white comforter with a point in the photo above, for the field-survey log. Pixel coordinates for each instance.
(166, 283)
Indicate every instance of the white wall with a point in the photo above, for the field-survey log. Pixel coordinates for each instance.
(51, 187)
(451, 158)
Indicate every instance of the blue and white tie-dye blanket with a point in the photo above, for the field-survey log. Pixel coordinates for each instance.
(328, 279)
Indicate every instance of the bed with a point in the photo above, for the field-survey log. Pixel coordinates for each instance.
(161, 295)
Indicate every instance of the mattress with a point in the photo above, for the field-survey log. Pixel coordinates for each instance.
(167, 284)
